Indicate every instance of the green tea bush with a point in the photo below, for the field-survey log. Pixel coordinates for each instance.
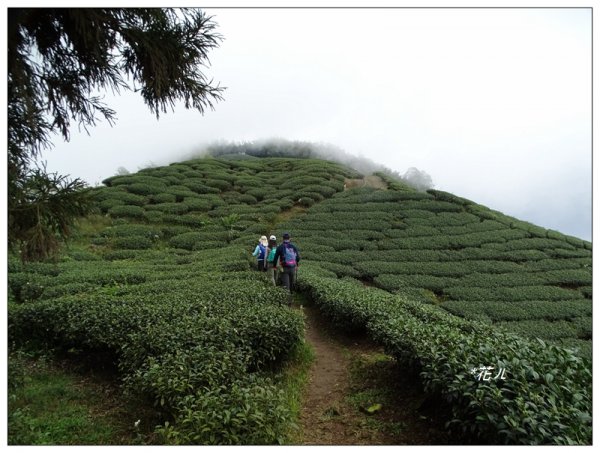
(418, 217)
(485, 213)
(56, 291)
(324, 190)
(251, 415)
(575, 242)
(83, 255)
(520, 310)
(146, 189)
(171, 179)
(341, 216)
(448, 197)
(418, 243)
(259, 193)
(411, 232)
(106, 205)
(584, 326)
(513, 279)
(153, 216)
(128, 198)
(548, 293)
(116, 255)
(27, 287)
(546, 398)
(207, 245)
(128, 180)
(306, 201)
(186, 240)
(187, 352)
(538, 328)
(43, 268)
(248, 199)
(221, 184)
(535, 243)
(563, 253)
(340, 270)
(393, 282)
(348, 244)
(301, 182)
(570, 277)
(582, 348)
(162, 198)
(521, 256)
(453, 218)
(441, 269)
(485, 225)
(191, 174)
(558, 264)
(133, 242)
(534, 230)
(204, 203)
(491, 266)
(134, 229)
(316, 196)
(551, 234)
(181, 193)
(586, 291)
(190, 220)
(431, 206)
(169, 208)
(130, 211)
(198, 186)
(398, 255)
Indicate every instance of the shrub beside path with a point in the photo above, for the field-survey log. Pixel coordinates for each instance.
(346, 370)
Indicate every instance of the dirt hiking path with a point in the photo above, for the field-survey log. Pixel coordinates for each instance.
(350, 374)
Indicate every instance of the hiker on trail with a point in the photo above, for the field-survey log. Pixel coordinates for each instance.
(261, 253)
(287, 254)
(271, 267)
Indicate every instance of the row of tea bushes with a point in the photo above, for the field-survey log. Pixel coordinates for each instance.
(545, 398)
(413, 242)
(182, 338)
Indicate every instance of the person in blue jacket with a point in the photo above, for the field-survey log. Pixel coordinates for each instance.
(260, 252)
(288, 256)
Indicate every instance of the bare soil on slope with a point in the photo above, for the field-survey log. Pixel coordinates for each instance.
(368, 181)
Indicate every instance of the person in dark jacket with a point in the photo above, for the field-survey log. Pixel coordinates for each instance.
(288, 257)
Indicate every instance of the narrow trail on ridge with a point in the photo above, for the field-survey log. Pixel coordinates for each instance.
(350, 373)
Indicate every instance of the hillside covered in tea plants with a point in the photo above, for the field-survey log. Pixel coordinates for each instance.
(160, 283)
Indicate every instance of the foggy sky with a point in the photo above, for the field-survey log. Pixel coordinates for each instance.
(494, 104)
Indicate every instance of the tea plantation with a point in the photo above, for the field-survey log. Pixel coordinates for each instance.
(159, 282)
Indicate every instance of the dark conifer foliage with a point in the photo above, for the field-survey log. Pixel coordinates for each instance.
(60, 58)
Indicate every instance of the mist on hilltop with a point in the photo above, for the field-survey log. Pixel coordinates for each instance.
(278, 147)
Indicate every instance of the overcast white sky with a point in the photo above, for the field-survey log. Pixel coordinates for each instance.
(494, 104)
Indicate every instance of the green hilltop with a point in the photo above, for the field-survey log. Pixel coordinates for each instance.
(160, 281)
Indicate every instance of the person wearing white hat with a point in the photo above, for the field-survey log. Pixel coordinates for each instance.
(260, 252)
(271, 268)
